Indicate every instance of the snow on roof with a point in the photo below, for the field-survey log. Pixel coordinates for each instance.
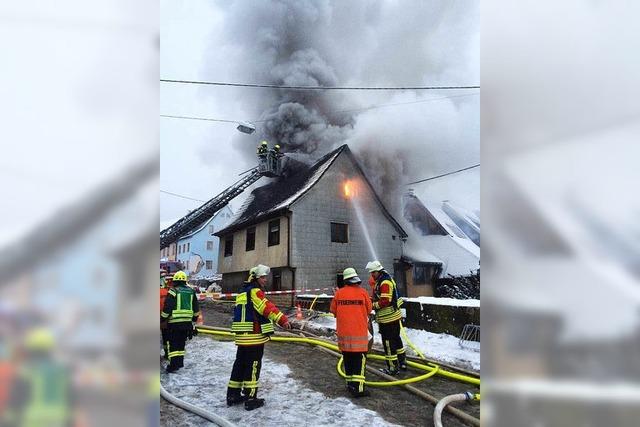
(466, 221)
(204, 224)
(446, 301)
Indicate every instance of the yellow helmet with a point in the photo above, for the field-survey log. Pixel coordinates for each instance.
(277, 146)
(39, 339)
(263, 143)
(180, 276)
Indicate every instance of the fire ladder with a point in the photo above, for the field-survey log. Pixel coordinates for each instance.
(269, 165)
(197, 217)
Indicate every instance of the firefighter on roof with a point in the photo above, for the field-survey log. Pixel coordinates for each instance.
(252, 324)
(351, 306)
(387, 307)
(180, 310)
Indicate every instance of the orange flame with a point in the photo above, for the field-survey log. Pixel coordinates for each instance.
(347, 190)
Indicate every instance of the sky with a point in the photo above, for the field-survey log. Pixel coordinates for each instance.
(410, 135)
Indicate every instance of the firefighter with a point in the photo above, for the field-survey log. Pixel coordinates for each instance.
(388, 315)
(276, 151)
(351, 306)
(263, 149)
(165, 285)
(179, 311)
(42, 394)
(253, 319)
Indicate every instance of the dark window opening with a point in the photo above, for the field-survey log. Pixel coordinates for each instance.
(251, 239)
(339, 233)
(274, 232)
(228, 246)
(277, 280)
(209, 265)
(339, 280)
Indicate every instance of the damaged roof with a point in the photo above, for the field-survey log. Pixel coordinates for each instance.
(272, 200)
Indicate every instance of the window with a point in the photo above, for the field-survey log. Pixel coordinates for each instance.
(228, 245)
(188, 247)
(179, 249)
(209, 245)
(274, 233)
(209, 264)
(211, 229)
(187, 264)
(251, 239)
(277, 280)
(339, 232)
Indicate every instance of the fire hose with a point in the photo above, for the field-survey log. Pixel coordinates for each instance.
(431, 370)
(437, 412)
(210, 416)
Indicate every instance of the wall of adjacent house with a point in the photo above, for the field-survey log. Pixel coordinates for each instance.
(242, 260)
(204, 244)
(316, 258)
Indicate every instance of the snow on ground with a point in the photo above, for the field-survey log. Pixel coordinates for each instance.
(442, 347)
(446, 301)
(203, 382)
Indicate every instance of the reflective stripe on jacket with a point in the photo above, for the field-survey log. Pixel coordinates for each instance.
(351, 305)
(385, 297)
(253, 316)
(181, 305)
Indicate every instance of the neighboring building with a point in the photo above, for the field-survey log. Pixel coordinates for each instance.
(436, 247)
(169, 253)
(306, 227)
(198, 250)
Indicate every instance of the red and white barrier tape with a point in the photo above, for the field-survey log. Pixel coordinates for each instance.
(218, 295)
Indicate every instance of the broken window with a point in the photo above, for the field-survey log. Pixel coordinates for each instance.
(251, 239)
(339, 232)
(228, 245)
(274, 232)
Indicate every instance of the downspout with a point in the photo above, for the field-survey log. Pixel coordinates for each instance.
(293, 276)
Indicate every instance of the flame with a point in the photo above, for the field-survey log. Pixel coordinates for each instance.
(347, 190)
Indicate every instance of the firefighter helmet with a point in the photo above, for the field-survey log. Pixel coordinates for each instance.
(261, 270)
(252, 274)
(39, 339)
(350, 276)
(276, 147)
(374, 266)
(180, 276)
(264, 143)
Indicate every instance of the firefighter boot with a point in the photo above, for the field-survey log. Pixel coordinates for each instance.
(234, 397)
(253, 403)
(353, 391)
(402, 361)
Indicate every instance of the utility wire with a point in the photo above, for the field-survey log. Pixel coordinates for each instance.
(372, 107)
(194, 82)
(181, 196)
(444, 174)
(198, 118)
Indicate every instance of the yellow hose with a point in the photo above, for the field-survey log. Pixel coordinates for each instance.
(406, 338)
(431, 370)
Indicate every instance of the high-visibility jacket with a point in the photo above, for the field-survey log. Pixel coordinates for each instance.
(163, 296)
(385, 299)
(181, 306)
(7, 376)
(253, 316)
(47, 397)
(351, 305)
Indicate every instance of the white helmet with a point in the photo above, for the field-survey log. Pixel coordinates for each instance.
(261, 270)
(374, 266)
(350, 276)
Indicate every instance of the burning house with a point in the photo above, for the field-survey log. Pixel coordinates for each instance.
(310, 225)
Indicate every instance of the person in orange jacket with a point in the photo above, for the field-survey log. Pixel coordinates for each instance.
(351, 306)
(165, 285)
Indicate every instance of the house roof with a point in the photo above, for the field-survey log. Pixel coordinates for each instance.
(273, 199)
(204, 224)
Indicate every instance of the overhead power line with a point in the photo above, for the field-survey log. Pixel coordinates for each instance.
(444, 174)
(198, 118)
(181, 196)
(355, 110)
(194, 82)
